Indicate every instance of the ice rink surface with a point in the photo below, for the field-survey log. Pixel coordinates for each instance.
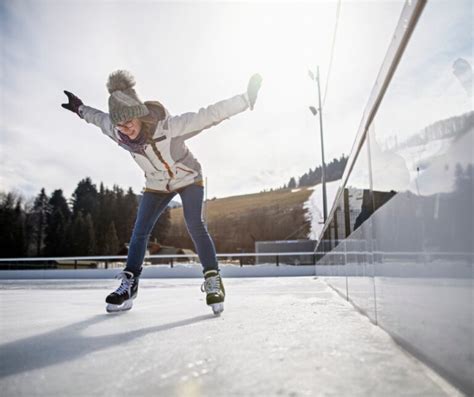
(287, 336)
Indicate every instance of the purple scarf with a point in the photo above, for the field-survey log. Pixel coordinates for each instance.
(136, 145)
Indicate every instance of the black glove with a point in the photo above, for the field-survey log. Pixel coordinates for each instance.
(252, 90)
(73, 104)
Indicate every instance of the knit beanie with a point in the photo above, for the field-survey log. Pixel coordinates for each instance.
(124, 103)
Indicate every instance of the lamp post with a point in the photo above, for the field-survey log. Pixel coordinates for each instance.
(314, 111)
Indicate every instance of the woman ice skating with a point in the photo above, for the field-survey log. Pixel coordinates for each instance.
(156, 142)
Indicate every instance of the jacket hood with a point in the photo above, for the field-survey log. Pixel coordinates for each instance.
(157, 112)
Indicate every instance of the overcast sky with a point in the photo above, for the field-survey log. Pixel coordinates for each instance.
(186, 55)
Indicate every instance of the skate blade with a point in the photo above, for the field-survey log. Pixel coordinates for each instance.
(127, 305)
(217, 308)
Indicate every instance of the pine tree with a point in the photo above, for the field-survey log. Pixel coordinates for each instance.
(120, 213)
(111, 245)
(82, 236)
(40, 213)
(59, 202)
(55, 244)
(292, 183)
(6, 218)
(69, 244)
(29, 226)
(20, 244)
(130, 207)
(304, 180)
(104, 217)
(57, 220)
(13, 241)
(89, 236)
(76, 235)
(84, 198)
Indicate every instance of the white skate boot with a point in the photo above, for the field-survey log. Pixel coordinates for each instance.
(122, 298)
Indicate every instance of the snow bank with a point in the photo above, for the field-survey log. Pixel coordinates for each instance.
(186, 270)
(314, 206)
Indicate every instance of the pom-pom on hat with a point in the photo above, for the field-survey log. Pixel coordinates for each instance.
(124, 103)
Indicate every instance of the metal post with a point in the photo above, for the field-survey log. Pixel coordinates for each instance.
(278, 260)
(323, 173)
(172, 262)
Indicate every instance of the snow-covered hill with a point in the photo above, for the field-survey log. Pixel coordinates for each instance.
(314, 206)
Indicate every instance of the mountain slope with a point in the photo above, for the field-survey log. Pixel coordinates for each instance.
(235, 223)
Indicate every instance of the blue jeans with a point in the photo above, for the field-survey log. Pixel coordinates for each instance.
(151, 207)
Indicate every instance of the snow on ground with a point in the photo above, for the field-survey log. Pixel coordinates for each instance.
(419, 156)
(314, 206)
(181, 270)
(277, 337)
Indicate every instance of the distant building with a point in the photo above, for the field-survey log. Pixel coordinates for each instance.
(166, 250)
(155, 248)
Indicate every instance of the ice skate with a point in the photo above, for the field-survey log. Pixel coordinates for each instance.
(215, 292)
(122, 298)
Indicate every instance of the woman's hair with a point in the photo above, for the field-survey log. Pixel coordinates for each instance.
(156, 114)
(147, 128)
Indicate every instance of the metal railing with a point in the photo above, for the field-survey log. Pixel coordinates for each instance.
(93, 261)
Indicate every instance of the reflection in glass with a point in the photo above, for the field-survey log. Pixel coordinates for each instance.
(404, 226)
(462, 69)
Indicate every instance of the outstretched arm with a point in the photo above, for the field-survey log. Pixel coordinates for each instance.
(89, 114)
(98, 118)
(190, 124)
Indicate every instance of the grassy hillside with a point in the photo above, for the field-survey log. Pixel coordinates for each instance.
(235, 223)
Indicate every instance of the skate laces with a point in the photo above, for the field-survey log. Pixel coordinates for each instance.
(126, 283)
(211, 285)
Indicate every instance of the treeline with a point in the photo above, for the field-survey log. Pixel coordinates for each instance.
(92, 222)
(447, 128)
(334, 171)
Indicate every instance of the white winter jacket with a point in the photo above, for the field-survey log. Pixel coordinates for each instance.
(167, 162)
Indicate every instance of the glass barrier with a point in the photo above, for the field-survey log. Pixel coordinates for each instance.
(401, 232)
(421, 150)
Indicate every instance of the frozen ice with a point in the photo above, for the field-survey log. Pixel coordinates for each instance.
(279, 336)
